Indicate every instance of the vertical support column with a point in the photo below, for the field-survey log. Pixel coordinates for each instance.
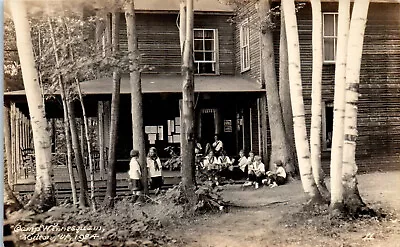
(260, 151)
(7, 143)
(264, 128)
(13, 154)
(100, 113)
(17, 142)
(251, 129)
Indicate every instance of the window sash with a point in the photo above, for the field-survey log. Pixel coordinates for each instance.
(329, 55)
(244, 46)
(203, 55)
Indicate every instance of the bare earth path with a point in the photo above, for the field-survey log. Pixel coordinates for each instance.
(262, 222)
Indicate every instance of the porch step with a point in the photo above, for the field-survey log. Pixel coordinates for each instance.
(63, 189)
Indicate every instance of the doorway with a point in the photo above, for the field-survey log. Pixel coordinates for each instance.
(207, 130)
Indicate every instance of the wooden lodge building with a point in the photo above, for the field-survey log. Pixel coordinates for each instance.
(230, 97)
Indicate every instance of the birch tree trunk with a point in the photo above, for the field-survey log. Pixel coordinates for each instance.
(339, 102)
(84, 128)
(284, 96)
(10, 200)
(296, 95)
(138, 137)
(187, 121)
(279, 147)
(115, 101)
(351, 195)
(316, 95)
(43, 197)
(66, 119)
(91, 168)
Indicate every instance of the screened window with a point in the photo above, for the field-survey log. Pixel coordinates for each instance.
(205, 51)
(330, 23)
(244, 46)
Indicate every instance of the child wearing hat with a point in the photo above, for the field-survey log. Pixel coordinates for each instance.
(135, 175)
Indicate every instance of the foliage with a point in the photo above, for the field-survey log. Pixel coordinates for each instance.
(208, 199)
(12, 67)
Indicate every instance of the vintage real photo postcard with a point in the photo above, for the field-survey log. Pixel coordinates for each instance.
(201, 123)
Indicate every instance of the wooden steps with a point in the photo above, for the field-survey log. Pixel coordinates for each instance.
(63, 188)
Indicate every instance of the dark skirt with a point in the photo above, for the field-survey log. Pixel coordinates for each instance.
(136, 184)
(156, 182)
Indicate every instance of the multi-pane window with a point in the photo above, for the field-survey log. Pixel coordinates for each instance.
(205, 51)
(244, 46)
(330, 23)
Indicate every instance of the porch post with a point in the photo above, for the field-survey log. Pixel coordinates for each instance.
(7, 142)
(264, 128)
(13, 156)
(17, 142)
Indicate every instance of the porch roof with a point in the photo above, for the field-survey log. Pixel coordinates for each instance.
(167, 84)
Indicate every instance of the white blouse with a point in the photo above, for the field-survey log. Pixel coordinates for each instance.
(153, 172)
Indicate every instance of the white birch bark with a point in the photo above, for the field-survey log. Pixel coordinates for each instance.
(296, 94)
(316, 95)
(339, 105)
(43, 197)
(358, 22)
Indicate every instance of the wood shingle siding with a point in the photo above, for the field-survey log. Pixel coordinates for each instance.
(378, 144)
(249, 11)
(158, 37)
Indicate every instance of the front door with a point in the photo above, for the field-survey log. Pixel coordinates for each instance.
(207, 129)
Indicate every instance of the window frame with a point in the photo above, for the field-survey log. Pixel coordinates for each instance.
(244, 46)
(215, 51)
(334, 37)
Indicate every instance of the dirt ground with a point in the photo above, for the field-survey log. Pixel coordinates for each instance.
(266, 218)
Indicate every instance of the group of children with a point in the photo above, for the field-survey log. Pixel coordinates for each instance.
(216, 161)
(154, 170)
(250, 167)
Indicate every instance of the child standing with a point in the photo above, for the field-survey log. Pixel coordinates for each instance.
(154, 166)
(135, 175)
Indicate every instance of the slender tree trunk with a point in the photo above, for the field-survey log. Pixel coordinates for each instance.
(84, 129)
(351, 196)
(138, 138)
(187, 121)
(43, 197)
(284, 96)
(9, 198)
(299, 123)
(336, 205)
(182, 24)
(279, 150)
(316, 105)
(83, 202)
(115, 101)
(66, 119)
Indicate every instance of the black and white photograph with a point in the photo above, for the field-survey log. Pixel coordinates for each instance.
(201, 123)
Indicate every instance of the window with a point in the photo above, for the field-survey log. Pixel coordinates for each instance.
(327, 126)
(205, 51)
(244, 46)
(330, 21)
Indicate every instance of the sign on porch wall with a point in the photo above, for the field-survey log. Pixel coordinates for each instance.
(227, 125)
